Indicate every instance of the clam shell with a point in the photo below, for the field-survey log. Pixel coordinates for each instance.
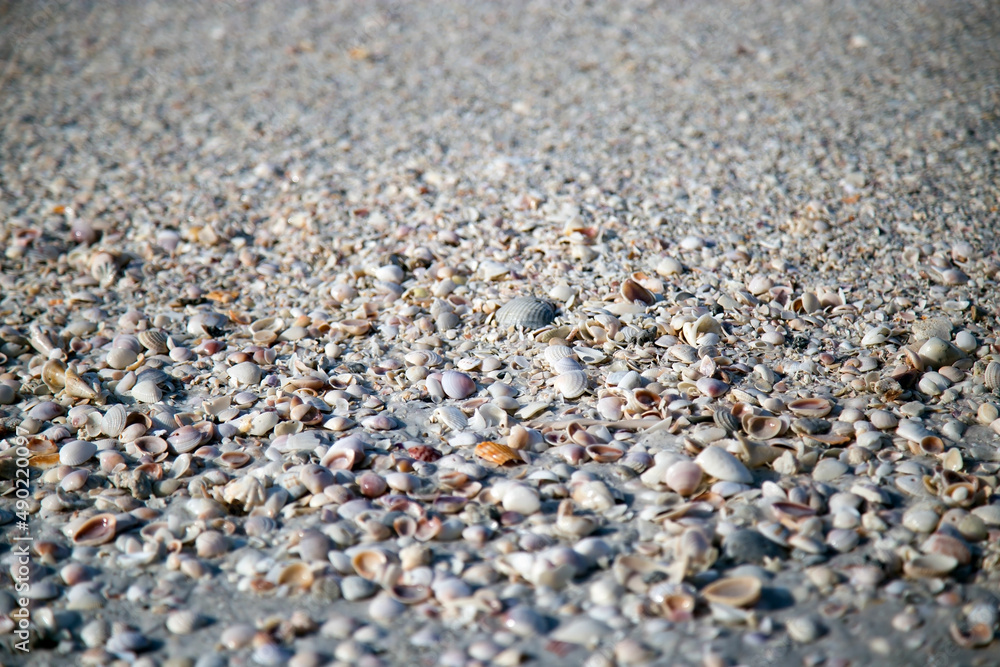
(150, 444)
(527, 312)
(883, 420)
(451, 417)
(554, 353)
(457, 384)
(296, 575)
(684, 477)
(183, 622)
(572, 384)
(234, 459)
(146, 391)
(727, 420)
(211, 543)
(185, 439)
(811, 407)
(370, 564)
(991, 376)
(763, 428)
(263, 423)
(121, 358)
(154, 340)
(734, 591)
(76, 452)
(96, 530)
(245, 373)
(930, 565)
(722, 465)
(632, 291)
(424, 358)
(113, 421)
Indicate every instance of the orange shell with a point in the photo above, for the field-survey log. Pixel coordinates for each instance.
(496, 453)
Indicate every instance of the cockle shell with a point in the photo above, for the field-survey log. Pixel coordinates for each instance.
(527, 312)
(424, 358)
(763, 428)
(991, 376)
(684, 477)
(722, 465)
(931, 565)
(146, 391)
(96, 530)
(572, 384)
(121, 358)
(495, 452)
(245, 373)
(113, 422)
(153, 340)
(76, 452)
(451, 417)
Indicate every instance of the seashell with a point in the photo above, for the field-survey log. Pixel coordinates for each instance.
(74, 481)
(245, 373)
(121, 358)
(424, 358)
(263, 423)
(457, 384)
(296, 575)
(991, 376)
(54, 374)
(929, 566)
(883, 420)
(379, 422)
(146, 391)
(76, 452)
(553, 353)
(315, 478)
(726, 419)
(566, 365)
(372, 485)
(150, 444)
(711, 387)
(96, 530)
(811, 407)
(234, 459)
(572, 384)
(526, 312)
(259, 525)
(763, 428)
(684, 477)
(185, 439)
(183, 622)
(370, 564)
(153, 340)
(410, 594)
(113, 421)
(734, 591)
(611, 408)
(946, 545)
(210, 544)
(722, 465)
(355, 327)
(497, 453)
(632, 291)
(604, 453)
(977, 636)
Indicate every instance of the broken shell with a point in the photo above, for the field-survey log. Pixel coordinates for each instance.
(96, 530)
(734, 591)
(977, 636)
(811, 407)
(527, 312)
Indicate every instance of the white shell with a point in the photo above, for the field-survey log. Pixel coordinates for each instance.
(211, 543)
(451, 417)
(572, 384)
(153, 340)
(424, 358)
(121, 358)
(566, 365)
(457, 384)
(76, 452)
(263, 423)
(113, 421)
(245, 373)
(554, 353)
(991, 377)
(75, 480)
(722, 465)
(146, 392)
(183, 622)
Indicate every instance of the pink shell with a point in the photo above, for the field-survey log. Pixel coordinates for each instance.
(457, 384)
(683, 477)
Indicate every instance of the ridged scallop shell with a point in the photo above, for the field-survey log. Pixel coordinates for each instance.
(96, 530)
(146, 392)
(183, 622)
(727, 420)
(496, 453)
(424, 358)
(527, 312)
(76, 452)
(554, 353)
(632, 291)
(566, 365)
(572, 384)
(734, 591)
(154, 340)
(113, 421)
(991, 377)
(811, 407)
(245, 373)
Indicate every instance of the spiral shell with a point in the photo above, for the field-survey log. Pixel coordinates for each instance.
(527, 312)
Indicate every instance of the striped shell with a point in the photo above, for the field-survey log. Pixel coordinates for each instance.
(572, 384)
(451, 417)
(527, 312)
(495, 452)
(424, 358)
(566, 365)
(113, 422)
(185, 439)
(146, 392)
(991, 377)
(554, 353)
(76, 452)
(153, 340)
(727, 420)
(245, 373)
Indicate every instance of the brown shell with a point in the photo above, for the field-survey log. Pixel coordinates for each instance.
(424, 453)
(96, 530)
(496, 453)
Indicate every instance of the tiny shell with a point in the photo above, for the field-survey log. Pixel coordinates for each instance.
(527, 312)
(96, 530)
(734, 591)
(496, 453)
(76, 452)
